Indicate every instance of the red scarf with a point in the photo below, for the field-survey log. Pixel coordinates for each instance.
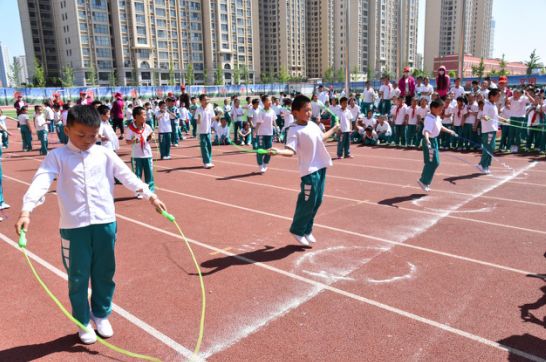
(396, 115)
(413, 112)
(535, 116)
(458, 112)
(139, 132)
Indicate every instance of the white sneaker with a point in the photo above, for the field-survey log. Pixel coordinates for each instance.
(139, 196)
(167, 157)
(423, 186)
(265, 166)
(262, 168)
(480, 168)
(310, 238)
(87, 336)
(487, 171)
(301, 239)
(104, 328)
(4, 206)
(209, 165)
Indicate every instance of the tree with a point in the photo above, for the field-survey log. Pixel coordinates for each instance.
(493, 73)
(112, 78)
(206, 77)
(236, 74)
(39, 74)
(245, 74)
(190, 76)
(172, 81)
(452, 74)
(502, 65)
(15, 73)
(91, 76)
(284, 77)
(266, 78)
(219, 76)
(329, 75)
(478, 70)
(532, 64)
(67, 76)
(355, 74)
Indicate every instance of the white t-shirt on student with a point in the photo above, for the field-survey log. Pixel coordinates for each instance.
(368, 95)
(266, 120)
(491, 124)
(447, 119)
(23, 119)
(412, 115)
(222, 131)
(164, 122)
(433, 125)
(457, 91)
(422, 113)
(106, 130)
(49, 114)
(384, 128)
(458, 115)
(426, 89)
(253, 115)
(205, 116)
(355, 111)
(307, 142)
(40, 122)
(369, 122)
(137, 150)
(345, 120)
(387, 92)
(518, 108)
(399, 114)
(237, 114)
(3, 121)
(316, 108)
(472, 111)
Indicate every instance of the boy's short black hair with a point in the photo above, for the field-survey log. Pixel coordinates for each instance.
(85, 115)
(493, 92)
(23, 109)
(475, 82)
(169, 99)
(299, 102)
(201, 97)
(147, 104)
(264, 97)
(103, 110)
(37, 107)
(255, 101)
(343, 99)
(460, 99)
(192, 98)
(161, 103)
(137, 110)
(436, 104)
(96, 103)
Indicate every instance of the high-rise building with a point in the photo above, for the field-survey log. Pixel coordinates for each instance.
(23, 75)
(39, 35)
(383, 35)
(4, 66)
(492, 39)
(149, 42)
(444, 28)
(282, 33)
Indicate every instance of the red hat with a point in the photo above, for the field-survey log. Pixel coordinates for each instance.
(170, 94)
(503, 79)
(117, 95)
(82, 93)
(406, 69)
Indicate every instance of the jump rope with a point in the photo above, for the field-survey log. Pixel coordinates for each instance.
(171, 218)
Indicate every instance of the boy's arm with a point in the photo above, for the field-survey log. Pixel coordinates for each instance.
(330, 132)
(447, 130)
(34, 196)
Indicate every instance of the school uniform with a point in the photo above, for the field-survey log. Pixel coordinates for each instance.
(237, 118)
(468, 128)
(355, 111)
(411, 130)
(174, 116)
(398, 114)
(345, 123)
(447, 122)
(384, 132)
(536, 136)
(227, 113)
(252, 116)
(204, 121)
(316, 110)
(458, 121)
(387, 92)
(184, 121)
(421, 114)
(165, 129)
(193, 120)
(457, 91)
(85, 186)
(106, 131)
(370, 139)
(505, 129)
(313, 160)
(150, 118)
(490, 126)
(5, 136)
(429, 89)
(288, 121)
(265, 120)
(222, 135)
(431, 155)
(368, 98)
(40, 124)
(518, 119)
(26, 136)
(141, 152)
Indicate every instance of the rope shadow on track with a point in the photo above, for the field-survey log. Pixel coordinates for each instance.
(244, 175)
(267, 254)
(31, 352)
(453, 179)
(400, 199)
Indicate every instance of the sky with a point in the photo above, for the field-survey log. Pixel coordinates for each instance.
(516, 45)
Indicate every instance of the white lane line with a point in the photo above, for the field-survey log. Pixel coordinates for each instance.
(371, 203)
(116, 308)
(347, 294)
(389, 184)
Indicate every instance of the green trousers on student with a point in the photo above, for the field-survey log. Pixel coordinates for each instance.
(514, 134)
(468, 134)
(344, 145)
(488, 147)
(400, 135)
(265, 143)
(42, 136)
(206, 147)
(88, 253)
(432, 160)
(164, 145)
(144, 166)
(309, 200)
(27, 137)
(411, 135)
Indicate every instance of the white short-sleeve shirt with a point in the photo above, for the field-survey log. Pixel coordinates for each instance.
(306, 141)
(266, 120)
(433, 125)
(399, 114)
(412, 115)
(518, 107)
(491, 123)
(163, 122)
(345, 120)
(205, 116)
(138, 149)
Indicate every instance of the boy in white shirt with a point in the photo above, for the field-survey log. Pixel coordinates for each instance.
(518, 106)
(431, 130)
(4, 129)
(139, 135)
(264, 130)
(459, 115)
(422, 112)
(426, 90)
(400, 119)
(25, 127)
(252, 116)
(505, 112)
(412, 117)
(307, 142)
(41, 126)
(457, 90)
(316, 108)
(383, 129)
(222, 133)
(85, 176)
(204, 117)
(369, 137)
(369, 120)
(472, 110)
(536, 135)
(386, 92)
(107, 136)
(237, 114)
(345, 117)
(368, 99)
(163, 119)
(49, 116)
(447, 122)
(490, 126)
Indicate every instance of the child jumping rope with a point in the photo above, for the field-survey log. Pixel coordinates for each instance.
(306, 140)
